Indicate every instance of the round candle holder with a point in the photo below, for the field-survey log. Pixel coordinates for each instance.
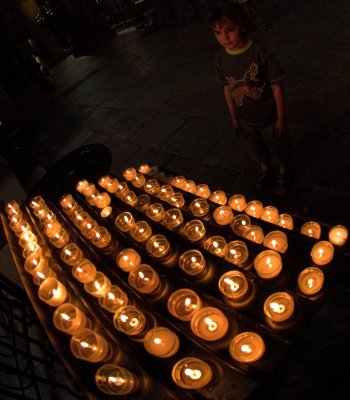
(223, 215)
(338, 235)
(129, 198)
(239, 224)
(31, 248)
(322, 252)
(209, 323)
(216, 245)
(130, 173)
(155, 212)
(81, 219)
(311, 229)
(101, 238)
(12, 208)
(71, 254)
(121, 190)
(285, 221)
(81, 185)
(115, 380)
(144, 279)
(69, 318)
(113, 299)
(218, 197)
(106, 212)
(270, 214)
(247, 347)
(84, 271)
(104, 180)
(67, 201)
(276, 240)
(89, 189)
(112, 185)
(310, 281)
(183, 304)
(173, 218)
(179, 181)
(190, 186)
(192, 262)
(203, 190)
(124, 221)
(92, 198)
(176, 200)
(158, 246)
(99, 286)
(89, 229)
(52, 292)
(144, 168)
(268, 264)
(103, 200)
(129, 320)
(279, 307)
(128, 259)
(37, 203)
(237, 202)
(60, 239)
(161, 342)
(36, 262)
(141, 231)
(151, 187)
(139, 180)
(52, 228)
(237, 253)
(143, 202)
(90, 346)
(254, 208)
(234, 285)
(27, 237)
(199, 207)
(194, 230)
(254, 233)
(165, 192)
(192, 373)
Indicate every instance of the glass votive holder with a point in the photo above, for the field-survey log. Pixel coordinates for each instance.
(80, 219)
(52, 228)
(106, 212)
(144, 168)
(12, 208)
(218, 197)
(130, 320)
(139, 180)
(113, 379)
(104, 180)
(27, 237)
(113, 299)
(81, 185)
(36, 262)
(176, 200)
(128, 259)
(141, 231)
(158, 246)
(310, 281)
(192, 262)
(124, 221)
(89, 189)
(276, 240)
(129, 198)
(89, 228)
(121, 190)
(103, 200)
(69, 318)
(223, 215)
(254, 233)
(322, 252)
(60, 239)
(268, 264)
(247, 347)
(84, 271)
(194, 230)
(338, 235)
(67, 201)
(311, 229)
(129, 173)
(199, 207)
(19, 227)
(270, 214)
(209, 323)
(190, 186)
(183, 304)
(165, 191)
(101, 238)
(151, 187)
(192, 373)
(173, 218)
(52, 292)
(143, 202)
(216, 245)
(144, 279)
(31, 248)
(156, 212)
(90, 346)
(161, 342)
(99, 286)
(92, 198)
(279, 307)
(203, 190)
(237, 253)
(285, 221)
(112, 185)
(37, 203)
(254, 208)
(178, 181)
(71, 254)
(234, 285)
(47, 218)
(239, 224)
(237, 202)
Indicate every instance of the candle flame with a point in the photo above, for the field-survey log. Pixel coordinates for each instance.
(212, 325)
(117, 380)
(310, 282)
(68, 252)
(65, 316)
(158, 340)
(233, 285)
(40, 275)
(274, 243)
(80, 269)
(97, 285)
(111, 296)
(84, 344)
(246, 348)
(193, 373)
(278, 308)
(124, 318)
(54, 292)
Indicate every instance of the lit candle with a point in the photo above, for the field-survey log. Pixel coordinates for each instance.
(103, 181)
(141, 231)
(144, 279)
(47, 217)
(190, 186)
(270, 214)
(71, 254)
(31, 248)
(113, 379)
(81, 185)
(218, 197)
(194, 230)
(216, 245)
(158, 246)
(237, 253)
(286, 221)
(192, 373)
(52, 228)
(27, 237)
(279, 307)
(268, 264)
(203, 191)
(254, 233)
(322, 252)
(12, 208)
(234, 285)
(112, 185)
(176, 200)
(179, 181)
(36, 264)
(143, 168)
(92, 198)
(247, 347)
(276, 240)
(130, 173)
(60, 239)
(107, 211)
(143, 202)
(312, 229)
(129, 320)
(338, 235)
(156, 212)
(128, 259)
(66, 201)
(84, 270)
(173, 218)
(139, 180)
(199, 207)
(223, 215)
(90, 346)
(129, 198)
(310, 280)
(52, 292)
(165, 192)
(183, 304)
(89, 189)
(19, 226)
(103, 200)
(192, 262)
(113, 299)
(69, 318)
(239, 224)
(122, 189)
(81, 218)
(161, 342)
(124, 221)
(254, 208)
(101, 238)
(209, 323)
(237, 202)
(99, 286)
(152, 187)
(37, 203)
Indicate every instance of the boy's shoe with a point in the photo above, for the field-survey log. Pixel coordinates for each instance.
(282, 185)
(264, 179)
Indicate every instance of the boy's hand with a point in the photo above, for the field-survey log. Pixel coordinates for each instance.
(236, 127)
(280, 127)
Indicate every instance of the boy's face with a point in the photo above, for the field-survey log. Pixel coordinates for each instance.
(229, 34)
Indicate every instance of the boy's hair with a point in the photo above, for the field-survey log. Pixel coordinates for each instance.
(235, 12)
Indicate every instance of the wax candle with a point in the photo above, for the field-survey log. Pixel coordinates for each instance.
(52, 292)
(89, 189)
(60, 239)
(103, 200)
(237, 253)
(124, 221)
(268, 264)
(84, 270)
(285, 220)
(36, 263)
(239, 224)
(90, 346)
(80, 219)
(52, 228)
(129, 320)
(322, 252)
(199, 207)
(143, 168)
(223, 215)
(92, 198)
(270, 214)
(130, 173)
(194, 230)
(122, 189)
(279, 307)
(139, 180)
(113, 299)
(234, 285)
(101, 238)
(144, 279)
(67, 201)
(37, 203)
(31, 248)
(71, 254)
(104, 180)
(183, 304)
(219, 197)
(113, 379)
(173, 218)
(156, 212)
(99, 286)
(158, 246)
(112, 185)
(161, 342)
(143, 202)
(81, 185)
(165, 192)
(107, 211)
(254, 208)
(237, 202)
(312, 229)
(152, 187)
(190, 186)
(27, 237)
(338, 235)
(276, 240)
(310, 280)
(128, 259)
(209, 323)
(192, 373)
(12, 208)
(69, 318)
(141, 231)
(247, 347)
(47, 218)
(129, 198)
(192, 262)
(179, 181)
(19, 226)
(216, 245)
(176, 200)
(203, 190)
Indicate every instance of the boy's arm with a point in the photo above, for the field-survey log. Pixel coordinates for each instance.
(281, 113)
(232, 110)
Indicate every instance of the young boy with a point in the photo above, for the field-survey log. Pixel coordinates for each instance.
(252, 88)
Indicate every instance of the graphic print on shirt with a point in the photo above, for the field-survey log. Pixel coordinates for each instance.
(247, 86)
